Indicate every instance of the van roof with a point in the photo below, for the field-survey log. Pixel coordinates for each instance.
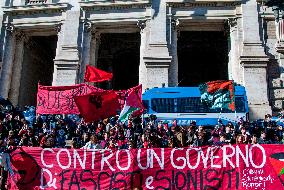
(172, 92)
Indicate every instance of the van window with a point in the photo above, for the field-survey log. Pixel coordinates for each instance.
(190, 105)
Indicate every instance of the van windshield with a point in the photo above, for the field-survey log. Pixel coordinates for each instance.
(190, 105)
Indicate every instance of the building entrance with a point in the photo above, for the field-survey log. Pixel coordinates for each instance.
(38, 67)
(202, 57)
(119, 53)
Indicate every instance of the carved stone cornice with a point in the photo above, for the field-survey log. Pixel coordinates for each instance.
(204, 3)
(57, 27)
(35, 9)
(141, 24)
(175, 24)
(230, 25)
(87, 26)
(10, 27)
(232, 22)
(115, 4)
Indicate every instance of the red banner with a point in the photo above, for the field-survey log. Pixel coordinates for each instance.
(60, 99)
(245, 167)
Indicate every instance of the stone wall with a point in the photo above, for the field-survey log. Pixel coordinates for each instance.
(276, 88)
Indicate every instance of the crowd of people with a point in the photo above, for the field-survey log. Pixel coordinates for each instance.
(58, 131)
(70, 131)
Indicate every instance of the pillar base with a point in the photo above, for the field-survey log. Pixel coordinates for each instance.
(259, 111)
(255, 82)
(65, 72)
(66, 66)
(157, 61)
(157, 71)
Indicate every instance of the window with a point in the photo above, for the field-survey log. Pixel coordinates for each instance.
(163, 105)
(240, 104)
(190, 105)
(146, 104)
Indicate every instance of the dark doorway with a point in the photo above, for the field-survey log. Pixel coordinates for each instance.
(119, 53)
(202, 57)
(38, 67)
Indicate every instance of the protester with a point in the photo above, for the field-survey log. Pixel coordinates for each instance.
(54, 131)
(93, 143)
(262, 139)
(69, 131)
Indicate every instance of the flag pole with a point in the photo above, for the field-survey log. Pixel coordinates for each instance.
(142, 117)
(220, 112)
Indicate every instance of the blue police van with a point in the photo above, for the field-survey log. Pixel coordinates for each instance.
(184, 105)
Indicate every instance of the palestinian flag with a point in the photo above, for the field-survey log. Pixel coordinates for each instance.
(277, 161)
(133, 102)
(218, 94)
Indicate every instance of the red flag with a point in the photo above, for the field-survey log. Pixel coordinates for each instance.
(94, 74)
(98, 105)
(134, 97)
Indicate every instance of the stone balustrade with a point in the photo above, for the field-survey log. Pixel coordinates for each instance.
(32, 2)
(94, 2)
(112, 1)
(35, 2)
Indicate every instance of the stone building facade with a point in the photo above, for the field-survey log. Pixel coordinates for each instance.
(153, 42)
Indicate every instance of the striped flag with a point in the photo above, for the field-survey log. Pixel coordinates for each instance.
(277, 161)
(133, 102)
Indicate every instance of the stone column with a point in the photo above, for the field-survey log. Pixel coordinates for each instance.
(157, 58)
(17, 69)
(85, 50)
(66, 62)
(143, 41)
(280, 50)
(94, 49)
(6, 73)
(2, 31)
(233, 67)
(280, 44)
(277, 88)
(60, 36)
(173, 70)
(254, 62)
